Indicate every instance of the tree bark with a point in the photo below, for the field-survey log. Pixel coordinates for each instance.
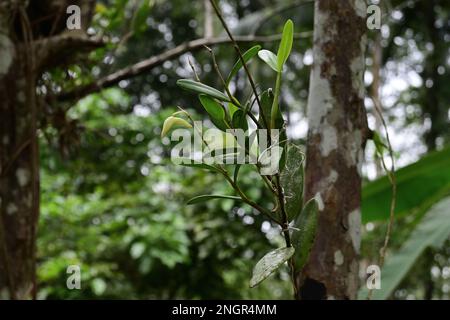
(336, 138)
(26, 51)
(19, 176)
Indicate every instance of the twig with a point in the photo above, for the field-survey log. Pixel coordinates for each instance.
(227, 90)
(154, 61)
(193, 70)
(244, 64)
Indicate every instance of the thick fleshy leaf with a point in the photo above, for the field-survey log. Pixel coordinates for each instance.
(232, 109)
(304, 233)
(171, 122)
(247, 55)
(198, 87)
(269, 263)
(285, 45)
(269, 160)
(240, 120)
(207, 197)
(215, 111)
(270, 58)
(292, 181)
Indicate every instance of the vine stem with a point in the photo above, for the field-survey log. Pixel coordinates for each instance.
(247, 200)
(392, 180)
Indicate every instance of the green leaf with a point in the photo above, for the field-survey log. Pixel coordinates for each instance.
(266, 105)
(248, 55)
(433, 231)
(303, 238)
(207, 197)
(269, 263)
(171, 122)
(286, 44)
(215, 111)
(198, 87)
(291, 179)
(282, 139)
(219, 140)
(270, 58)
(418, 186)
(232, 109)
(240, 120)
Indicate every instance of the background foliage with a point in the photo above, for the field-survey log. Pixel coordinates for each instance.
(113, 202)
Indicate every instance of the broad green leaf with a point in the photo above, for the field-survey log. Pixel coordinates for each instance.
(291, 179)
(418, 186)
(433, 231)
(198, 87)
(303, 238)
(269, 263)
(215, 111)
(285, 47)
(171, 122)
(207, 197)
(270, 58)
(247, 55)
(269, 160)
(240, 120)
(232, 109)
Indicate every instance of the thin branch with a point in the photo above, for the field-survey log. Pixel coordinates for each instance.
(238, 51)
(277, 11)
(48, 48)
(157, 60)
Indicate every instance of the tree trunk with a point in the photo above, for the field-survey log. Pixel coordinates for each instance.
(19, 175)
(33, 37)
(336, 138)
(431, 104)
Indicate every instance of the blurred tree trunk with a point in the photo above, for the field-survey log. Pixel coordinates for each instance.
(19, 178)
(336, 137)
(431, 104)
(26, 49)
